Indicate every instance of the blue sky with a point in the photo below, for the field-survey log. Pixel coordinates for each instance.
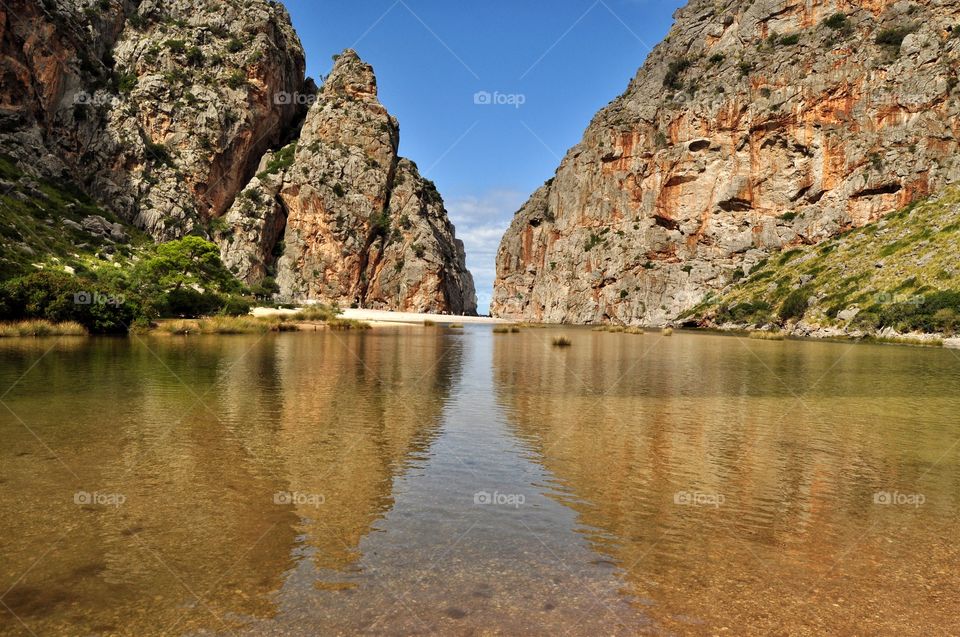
(551, 64)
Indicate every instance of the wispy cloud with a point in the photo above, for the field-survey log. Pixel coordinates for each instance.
(481, 221)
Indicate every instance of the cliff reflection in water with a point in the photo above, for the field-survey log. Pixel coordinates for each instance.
(199, 436)
(793, 440)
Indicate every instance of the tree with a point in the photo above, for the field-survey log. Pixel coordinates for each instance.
(186, 278)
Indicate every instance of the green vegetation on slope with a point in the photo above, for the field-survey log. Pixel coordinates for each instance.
(39, 226)
(899, 272)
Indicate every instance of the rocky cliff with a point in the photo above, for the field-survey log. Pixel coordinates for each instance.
(752, 127)
(164, 111)
(338, 214)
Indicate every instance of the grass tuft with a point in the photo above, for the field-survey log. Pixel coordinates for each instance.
(41, 328)
(562, 341)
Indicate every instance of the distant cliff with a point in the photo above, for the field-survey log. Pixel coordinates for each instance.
(751, 128)
(164, 111)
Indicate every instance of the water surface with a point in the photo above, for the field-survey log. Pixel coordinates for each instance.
(425, 480)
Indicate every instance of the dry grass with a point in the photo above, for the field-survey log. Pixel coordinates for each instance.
(315, 313)
(766, 336)
(456, 326)
(41, 328)
(501, 329)
(236, 325)
(347, 324)
(429, 323)
(634, 330)
(667, 331)
(562, 341)
(532, 325)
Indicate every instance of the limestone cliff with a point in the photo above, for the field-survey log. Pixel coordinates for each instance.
(751, 127)
(338, 215)
(164, 111)
(160, 109)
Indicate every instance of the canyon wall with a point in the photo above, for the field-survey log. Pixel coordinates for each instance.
(752, 127)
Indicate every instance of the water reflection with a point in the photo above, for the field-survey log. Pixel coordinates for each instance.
(792, 440)
(199, 436)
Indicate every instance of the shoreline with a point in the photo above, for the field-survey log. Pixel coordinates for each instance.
(387, 317)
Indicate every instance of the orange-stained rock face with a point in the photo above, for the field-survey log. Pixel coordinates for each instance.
(164, 134)
(759, 143)
(359, 224)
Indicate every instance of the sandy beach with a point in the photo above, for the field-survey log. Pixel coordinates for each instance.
(386, 317)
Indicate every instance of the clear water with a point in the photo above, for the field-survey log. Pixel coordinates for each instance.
(424, 480)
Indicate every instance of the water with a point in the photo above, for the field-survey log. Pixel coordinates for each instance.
(419, 480)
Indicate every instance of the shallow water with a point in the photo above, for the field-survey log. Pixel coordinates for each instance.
(426, 480)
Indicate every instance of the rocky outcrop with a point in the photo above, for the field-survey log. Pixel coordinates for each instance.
(752, 127)
(339, 216)
(166, 110)
(160, 109)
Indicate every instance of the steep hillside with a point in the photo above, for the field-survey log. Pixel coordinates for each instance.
(163, 112)
(754, 127)
(159, 109)
(899, 273)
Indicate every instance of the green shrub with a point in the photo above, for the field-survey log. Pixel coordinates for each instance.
(836, 22)
(237, 79)
(789, 40)
(234, 45)
(674, 70)
(894, 37)
(60, 297)
(176, 46)
(281, 160)
(195, 56)
(795, 305)
(158, 152)
(125, 82)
